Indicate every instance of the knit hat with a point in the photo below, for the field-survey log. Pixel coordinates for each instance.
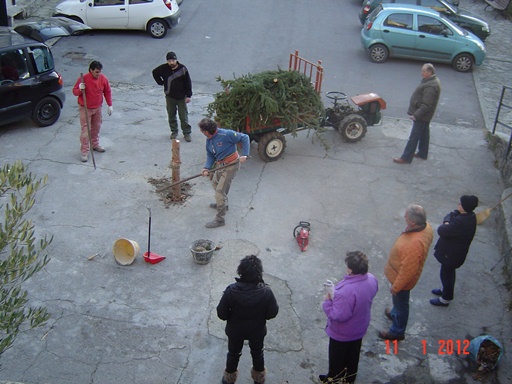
(469, 202)
(171, 56)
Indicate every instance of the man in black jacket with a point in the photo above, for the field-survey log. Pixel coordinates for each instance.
(246, 306)
(456, 234)
(175, 78)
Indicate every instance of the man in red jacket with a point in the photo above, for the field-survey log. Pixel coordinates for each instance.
(96, 87)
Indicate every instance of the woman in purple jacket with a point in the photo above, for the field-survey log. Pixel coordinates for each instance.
(348, 316)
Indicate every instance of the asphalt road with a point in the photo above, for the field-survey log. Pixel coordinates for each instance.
(236, 37)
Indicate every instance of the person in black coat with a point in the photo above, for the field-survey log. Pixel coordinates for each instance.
(246, 306)
(455, 236)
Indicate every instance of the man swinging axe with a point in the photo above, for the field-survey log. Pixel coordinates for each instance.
(221, 149)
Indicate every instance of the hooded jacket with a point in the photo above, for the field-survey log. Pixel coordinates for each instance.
(455, 237)
(246, 307)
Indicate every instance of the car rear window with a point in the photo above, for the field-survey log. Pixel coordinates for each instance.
(13, 66)
(42, 58)
(372, 16)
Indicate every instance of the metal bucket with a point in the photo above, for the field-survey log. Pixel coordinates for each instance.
(125, 251)
(202, 251)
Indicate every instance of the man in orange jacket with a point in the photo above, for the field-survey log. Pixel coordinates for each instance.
(404, 266)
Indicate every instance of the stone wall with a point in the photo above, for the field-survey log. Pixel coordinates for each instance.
(498, 143)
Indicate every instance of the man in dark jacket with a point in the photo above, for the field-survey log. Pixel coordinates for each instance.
(246, 306)
(422, 106)
(175, 78)
(456, 234)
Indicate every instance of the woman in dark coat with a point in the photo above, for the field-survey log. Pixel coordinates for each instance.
(246, 306)
(455, 236)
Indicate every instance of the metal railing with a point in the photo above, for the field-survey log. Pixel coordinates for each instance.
(309, 69)
(497, 119)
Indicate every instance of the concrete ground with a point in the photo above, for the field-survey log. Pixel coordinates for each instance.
(147, 323)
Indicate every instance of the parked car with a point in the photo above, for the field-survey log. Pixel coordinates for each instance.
(450, 9)
(413, 32)
(153, 16)
(29, 84)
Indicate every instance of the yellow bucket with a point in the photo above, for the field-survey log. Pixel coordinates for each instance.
(125, 251)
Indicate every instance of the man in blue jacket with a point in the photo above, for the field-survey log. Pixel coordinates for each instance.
(221, 149)
(455, 236)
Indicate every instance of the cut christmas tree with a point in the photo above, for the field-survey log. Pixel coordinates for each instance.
(267, 99)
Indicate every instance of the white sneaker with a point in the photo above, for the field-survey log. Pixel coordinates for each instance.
(84, 157)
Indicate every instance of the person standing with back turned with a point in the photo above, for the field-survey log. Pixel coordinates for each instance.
(421, 110)
(175, 78)
(246, 305)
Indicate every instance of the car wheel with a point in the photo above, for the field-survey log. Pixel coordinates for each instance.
(157, 28)
(379, 53)
(463, 62)
(46, 112)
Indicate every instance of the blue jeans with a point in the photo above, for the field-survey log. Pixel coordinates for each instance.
(400, 313)
(419, 137)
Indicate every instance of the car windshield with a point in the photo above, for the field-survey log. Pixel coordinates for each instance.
(452, 7)
(453, 26)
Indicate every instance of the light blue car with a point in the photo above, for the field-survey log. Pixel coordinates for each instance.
(413, 32)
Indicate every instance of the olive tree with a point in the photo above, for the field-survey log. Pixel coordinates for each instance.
(21, 253)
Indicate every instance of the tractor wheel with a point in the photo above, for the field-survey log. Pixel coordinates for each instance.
(352, 128)
(271, 146)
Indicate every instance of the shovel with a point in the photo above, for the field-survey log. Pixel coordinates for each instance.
(484, 215)
(88, 124)
(161, 189)
(149, 257)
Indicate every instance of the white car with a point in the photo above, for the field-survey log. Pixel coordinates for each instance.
(153, 16)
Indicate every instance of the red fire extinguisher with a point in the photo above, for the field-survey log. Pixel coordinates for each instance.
(301, 233)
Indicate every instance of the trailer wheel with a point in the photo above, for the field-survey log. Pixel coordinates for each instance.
(271, 146)
(352, 128)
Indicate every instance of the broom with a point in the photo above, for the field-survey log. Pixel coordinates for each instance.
(484, 215)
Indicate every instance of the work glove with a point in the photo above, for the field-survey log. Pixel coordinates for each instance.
(110, 110)
(82, 86)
